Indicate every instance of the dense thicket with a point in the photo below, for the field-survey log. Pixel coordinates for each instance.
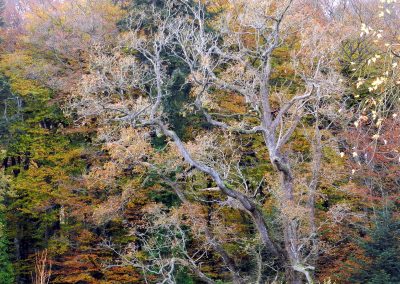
(199, 141)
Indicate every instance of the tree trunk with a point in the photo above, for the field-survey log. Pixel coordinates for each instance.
(317, 160)
(290, 233)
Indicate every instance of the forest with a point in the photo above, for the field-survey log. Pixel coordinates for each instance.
(199, 141)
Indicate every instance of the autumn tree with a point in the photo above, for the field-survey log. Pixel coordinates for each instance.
(6, 269)
(59, 35)
(43, 155)
(237, 54)
(368, 139)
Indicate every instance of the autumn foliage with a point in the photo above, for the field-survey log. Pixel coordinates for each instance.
(179, 141)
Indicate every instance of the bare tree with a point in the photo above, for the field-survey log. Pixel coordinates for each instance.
(234, 52)
(42, 268)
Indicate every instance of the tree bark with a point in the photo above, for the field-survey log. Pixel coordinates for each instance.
(290, 233)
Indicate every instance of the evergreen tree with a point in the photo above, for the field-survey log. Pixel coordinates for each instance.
(383, 250)
(6, 268)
